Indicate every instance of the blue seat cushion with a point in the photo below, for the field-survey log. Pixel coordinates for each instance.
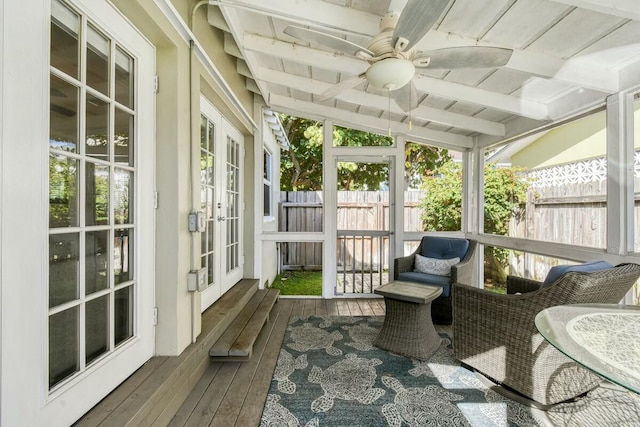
(556, 272)
(427, 279)
(444, 247)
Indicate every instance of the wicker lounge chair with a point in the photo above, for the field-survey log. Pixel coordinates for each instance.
(496, 335)
(442, 248)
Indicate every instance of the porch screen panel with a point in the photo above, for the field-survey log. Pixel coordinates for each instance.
(92, 176)
(551, 187)
(433, 190)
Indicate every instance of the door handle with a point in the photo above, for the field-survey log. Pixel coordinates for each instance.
(221, 218)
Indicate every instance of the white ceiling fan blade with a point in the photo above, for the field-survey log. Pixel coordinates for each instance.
(417, 18)
(340, 87)
(464, 57)
(325, 39)
(406, 97)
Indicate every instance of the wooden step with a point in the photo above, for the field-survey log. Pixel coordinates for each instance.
(153, 394)
(236, 343)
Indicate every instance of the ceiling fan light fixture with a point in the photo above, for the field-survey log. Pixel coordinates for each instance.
(390, 73)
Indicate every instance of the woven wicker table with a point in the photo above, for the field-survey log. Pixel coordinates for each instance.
(407, 329)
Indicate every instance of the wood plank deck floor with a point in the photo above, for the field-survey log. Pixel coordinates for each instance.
(234, 393)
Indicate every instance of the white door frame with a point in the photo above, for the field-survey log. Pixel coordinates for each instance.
(369, 159)
(222, 281)
(331, 155)
(25, 396)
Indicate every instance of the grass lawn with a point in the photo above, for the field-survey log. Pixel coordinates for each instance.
(303, 283)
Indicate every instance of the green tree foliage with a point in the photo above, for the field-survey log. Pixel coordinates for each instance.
(420, 162)
(504, 193)
(301, 165)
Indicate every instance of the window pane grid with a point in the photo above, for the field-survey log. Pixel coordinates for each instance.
(267, 177)
(233, 208)
(207, 191)
(92, 286)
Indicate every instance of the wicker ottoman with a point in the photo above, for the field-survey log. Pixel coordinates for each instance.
(407, 329)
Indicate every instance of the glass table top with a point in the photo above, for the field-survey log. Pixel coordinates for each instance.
(604, 338)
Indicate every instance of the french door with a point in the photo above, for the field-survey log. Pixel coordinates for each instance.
(100, 182)
(221, 200)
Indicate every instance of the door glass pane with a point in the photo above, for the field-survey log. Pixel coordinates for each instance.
(97, 128)
(203, 243)
(123, 196)
(210, 268)
(124, 78)
(63, 115)
(97, 328)
(124, 138)
(63, 191)
(64, 268)
(91, 194)
(122, 256)
(63, 345)
(207, 189)
(123, 312)
(97, 261)
(233, 170)
(210, 234)
(64, 39)
(97, 60)
(203, 132)
(97, 194)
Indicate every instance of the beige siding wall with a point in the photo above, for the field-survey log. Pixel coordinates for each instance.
(178, 323)
(578, 140)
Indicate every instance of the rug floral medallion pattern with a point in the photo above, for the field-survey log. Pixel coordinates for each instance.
(330, 374)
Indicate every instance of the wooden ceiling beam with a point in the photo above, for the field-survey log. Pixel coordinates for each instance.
(358, 97)
(359, 121)
(629, 9)
(573, 71)
(319, 14)
(351, 66)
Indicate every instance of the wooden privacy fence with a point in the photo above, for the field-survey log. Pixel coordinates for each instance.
(358, 211)
(574, 214)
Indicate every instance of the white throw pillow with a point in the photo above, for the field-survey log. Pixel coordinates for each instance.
(441, 267)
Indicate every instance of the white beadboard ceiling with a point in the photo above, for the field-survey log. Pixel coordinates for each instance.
(568, 55)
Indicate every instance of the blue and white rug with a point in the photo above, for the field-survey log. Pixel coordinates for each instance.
(330, 374)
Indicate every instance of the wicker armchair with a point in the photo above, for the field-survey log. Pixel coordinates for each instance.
(445, 247)
(496, 335)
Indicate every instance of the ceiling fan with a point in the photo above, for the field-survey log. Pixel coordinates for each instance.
(392, 57)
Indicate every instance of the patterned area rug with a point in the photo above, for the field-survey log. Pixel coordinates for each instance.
(330, 374)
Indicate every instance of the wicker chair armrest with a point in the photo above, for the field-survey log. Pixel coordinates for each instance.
(462, 272)
(402, 265)
(485, 319)
(521, 285)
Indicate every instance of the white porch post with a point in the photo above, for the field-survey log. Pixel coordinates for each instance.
(620, 185)
(473, 189)
(258, 206)
(620, 148)
(399, 185)
(330, 185)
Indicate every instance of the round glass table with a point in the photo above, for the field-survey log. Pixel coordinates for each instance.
(604, 338)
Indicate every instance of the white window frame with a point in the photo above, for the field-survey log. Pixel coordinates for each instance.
(267, 182)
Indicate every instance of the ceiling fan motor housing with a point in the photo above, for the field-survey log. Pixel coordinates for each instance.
(390, 73)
